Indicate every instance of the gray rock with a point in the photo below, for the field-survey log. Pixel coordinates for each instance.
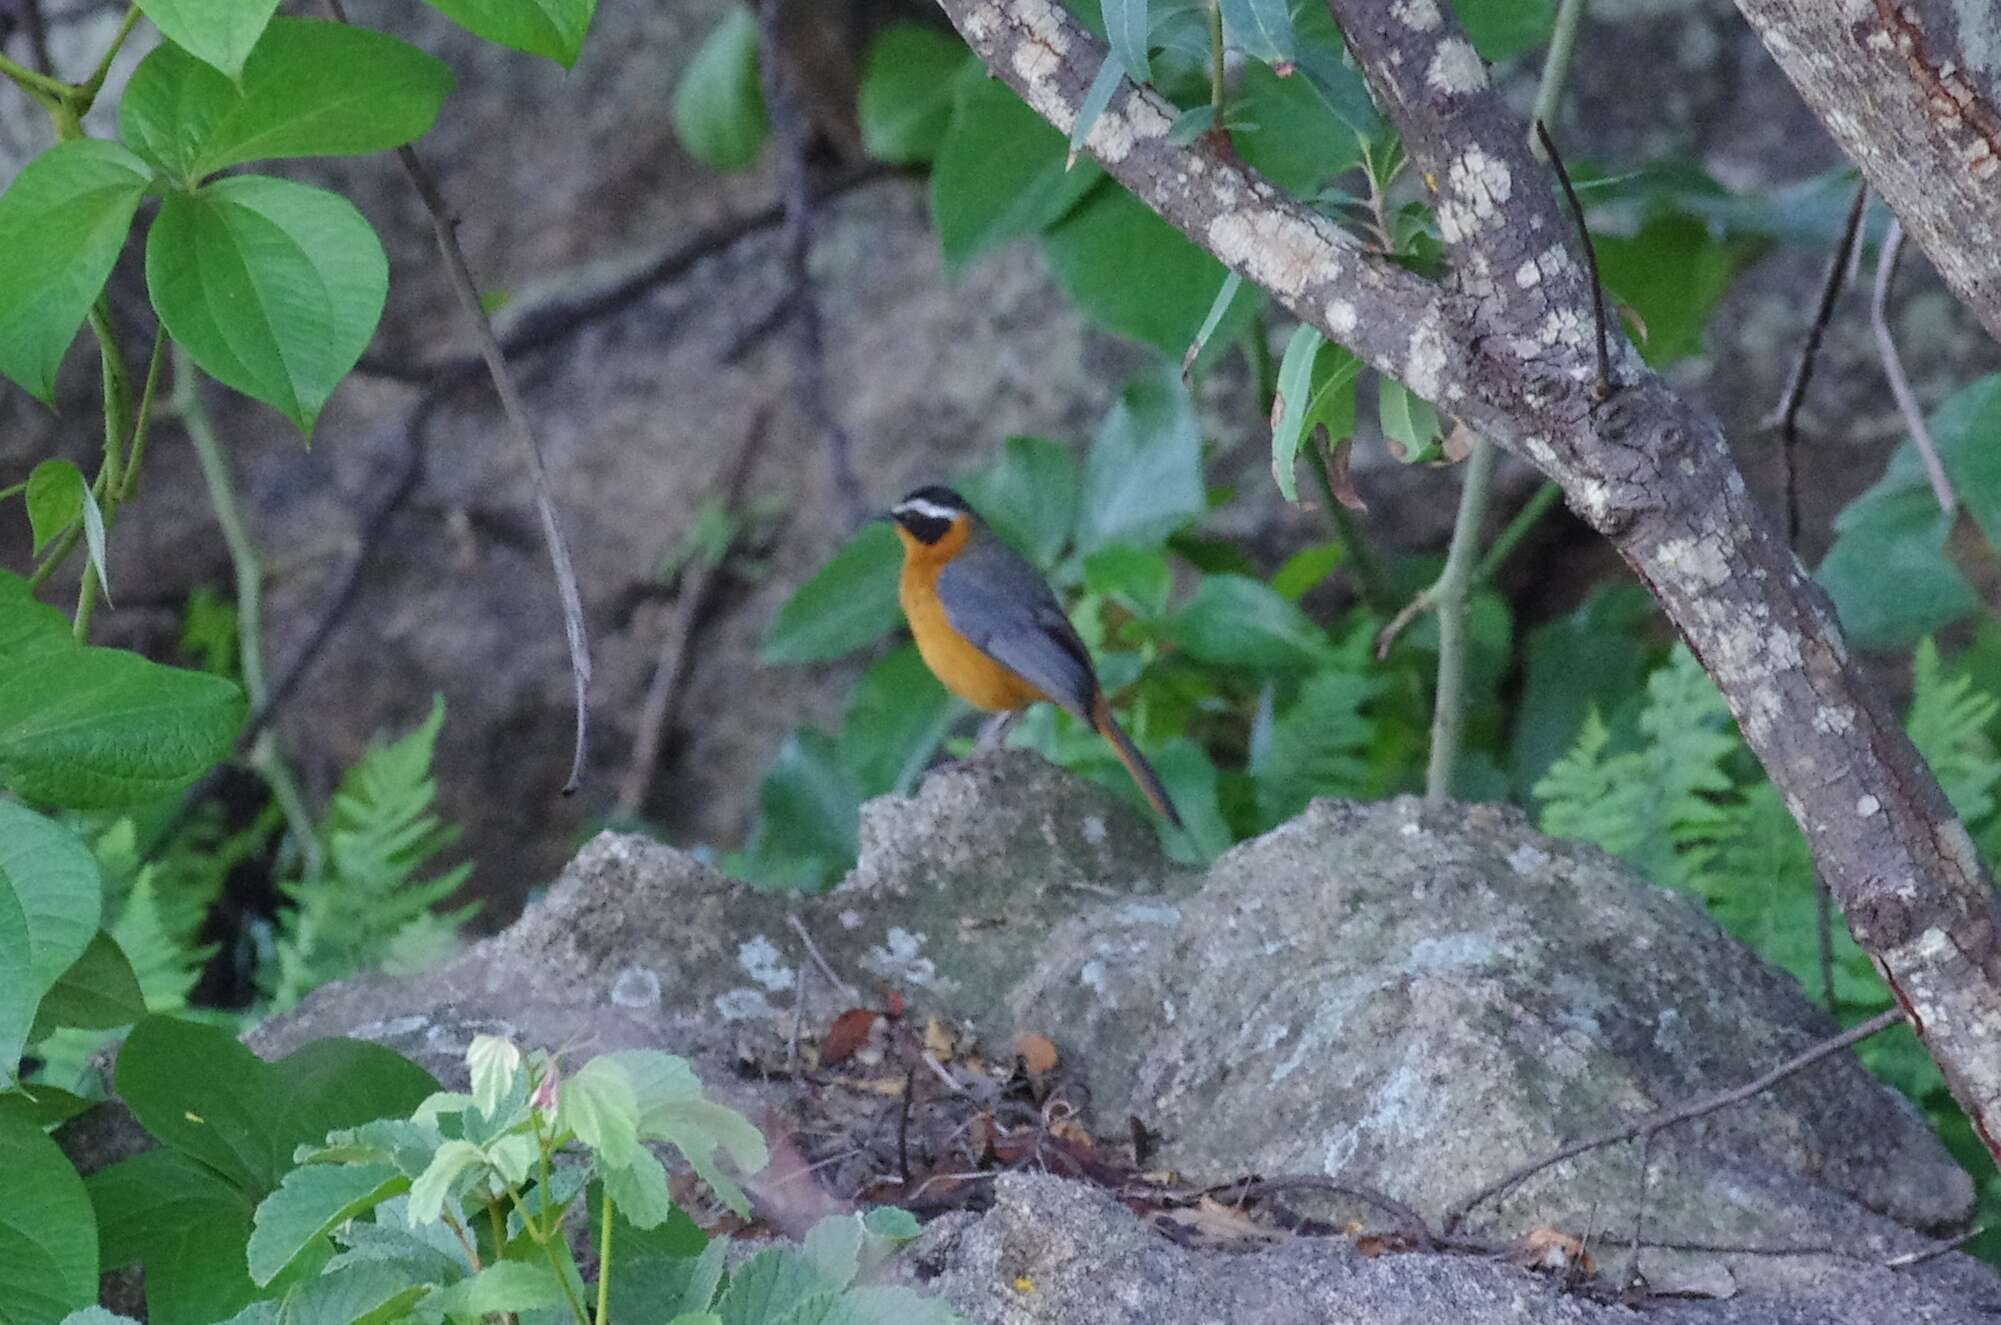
(1052, 1252)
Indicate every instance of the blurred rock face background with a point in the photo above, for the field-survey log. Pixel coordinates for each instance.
(563, 183)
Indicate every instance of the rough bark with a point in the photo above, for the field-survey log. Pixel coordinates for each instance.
(1505, 341)
(1911, 89)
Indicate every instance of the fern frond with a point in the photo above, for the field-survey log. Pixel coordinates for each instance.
(1948, 723)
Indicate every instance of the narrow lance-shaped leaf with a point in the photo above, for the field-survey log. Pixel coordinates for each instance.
(1226, 294)
(718, 107)
(1288, 406)
(1096, 98)
(1126, 24)
(62, 222)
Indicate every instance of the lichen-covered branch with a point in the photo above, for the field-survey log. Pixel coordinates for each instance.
(1504, 342)
(1911, 89)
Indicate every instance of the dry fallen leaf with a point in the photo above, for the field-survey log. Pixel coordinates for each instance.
(848, 1033)
(1340, 474)
(940, 1041)
(1213, 1222)
(1035, 1053)
(1551, 1249)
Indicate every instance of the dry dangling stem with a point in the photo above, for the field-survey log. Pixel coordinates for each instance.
(1504, 340)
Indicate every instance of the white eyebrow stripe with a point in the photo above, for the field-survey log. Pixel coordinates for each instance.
(919, 506)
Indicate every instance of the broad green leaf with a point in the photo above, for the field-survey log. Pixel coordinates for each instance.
(807, 808)
(905, 102)
(639, 1190)
(1137, 275)
(1305, 569)
(62, 222)
(309, 1203)
(274, 288)
(1339, 86)
(1299, 143)
(97, 1316)
(42, 1105)
(1234, 621)
(1190, 778)
(1137, 579)
(1671, 273)
(1409, 422)
(219, 32)
(365, 1293)
(1967, 431)
(494, 1063)
(598, 1103)
(849, 602)
(554, 28)
(1887, 571)
(1143, 473)
(1263, 29)
(48, 1236)
(433, 1188)
(50, 903)
(769, 1285)
(185, 1224)
(1503, 29)
(1127, 25)
(504, 1286)
(97, 992)
(718, 108)
(999, 172)
(55, 495)
(652, 1269)
(1029, 495)
(91, 728)
(338, 1083)
(310, 88)
(896, 717)
(701, 1129)
(833, 1246)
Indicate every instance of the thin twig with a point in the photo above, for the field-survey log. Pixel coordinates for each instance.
(467, 289)
(1526, 519)
(789, 133)
(1662, 1121)
(1893, 367)
(846, 990)
(1603, 387)
(1448, 712)
(1786, 416)
(1555, 66)
(1410, 1222)
(698, 581)
(1633, 1275)
(1911, 1258)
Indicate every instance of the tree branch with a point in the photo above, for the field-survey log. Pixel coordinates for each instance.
(1504, 342)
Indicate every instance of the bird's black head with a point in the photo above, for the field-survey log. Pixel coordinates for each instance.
(930, 512)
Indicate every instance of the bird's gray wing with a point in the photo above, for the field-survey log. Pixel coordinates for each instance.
(1000, 603)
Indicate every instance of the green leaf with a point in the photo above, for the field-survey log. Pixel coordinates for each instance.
(1143, 473)
(906, 92)
(833, 1246)
(365, 1293)
(769, 1285)
(718, 108)
(99, 990)
(310, 88)
(1219, 307)
(97, 1316)
(1190, 778)
(1305, 569)
(1672, 273)
(92, 728)
(1234, 621)
(599, 1104)
(1127, 25)
(872, 1304)
(1299, 143)
(639, 1190)
(1029, 495)
(274, 288)
(48, 1235)
(1317, 747)
(1503, 29)
(42, 1105)
(62, 222)
(896, 717)
(50, 903)
(310, 1202)
(55, 495)
(1263, 28)
(504, 1286)
(187, 1225)
(221, 35)
(1096, 98)
(652, 1269)
(1967, 431)
(93, 537)
(494, 1063)
(849, 602)
(1409, 423)
(1137, 275)
(433, 1188)
(674, 1111)
(1887, 570)
(807, 808)
(554, 28)
(1137, 579)
(1288, 413)
(1000, 172)
(1592, 658)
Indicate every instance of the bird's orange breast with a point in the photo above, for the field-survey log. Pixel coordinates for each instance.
(953, 659)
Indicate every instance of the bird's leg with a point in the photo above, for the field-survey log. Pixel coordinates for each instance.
(994, 730)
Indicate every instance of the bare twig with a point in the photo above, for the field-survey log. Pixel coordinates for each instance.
(789, 132)
(1911, 1258)
(1555, 66)
(443, 226)
(1448, 709)
(1604, 383)
(1786, 416)
(697, 583)
(1646, 1127)
(846, 990)
(1409, 1222)
(1893, 367)
(1526, 519)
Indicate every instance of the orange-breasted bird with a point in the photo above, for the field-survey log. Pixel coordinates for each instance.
(989, 628)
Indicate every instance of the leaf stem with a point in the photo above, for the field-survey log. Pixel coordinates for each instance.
(1448, 595)
(117, 424)
(84, 95)
(1216, 63)
(136, 451)
(1555, 67)
(44, 89)
(1518, 528)
(604, 1258)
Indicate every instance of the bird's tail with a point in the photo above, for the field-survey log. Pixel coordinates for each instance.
(1142, 772)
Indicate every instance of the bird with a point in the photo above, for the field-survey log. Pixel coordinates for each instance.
(990, 629)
